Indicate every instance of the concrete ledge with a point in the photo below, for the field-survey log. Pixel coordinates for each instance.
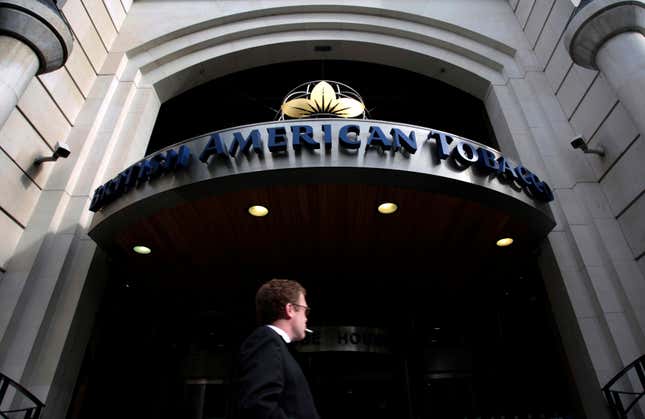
(39, 26)
(599, 21)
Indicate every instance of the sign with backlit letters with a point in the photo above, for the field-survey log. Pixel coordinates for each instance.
(327, 139)
(346, 339)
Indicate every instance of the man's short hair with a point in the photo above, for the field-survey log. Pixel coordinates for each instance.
(273, 296)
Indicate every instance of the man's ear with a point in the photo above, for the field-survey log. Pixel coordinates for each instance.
(288, 310)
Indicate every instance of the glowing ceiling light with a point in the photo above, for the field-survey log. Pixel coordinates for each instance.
(507, 241)
(258, 210)
(387, 208)
(142, 250)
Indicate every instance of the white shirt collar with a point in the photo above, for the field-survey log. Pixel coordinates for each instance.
(281, 332)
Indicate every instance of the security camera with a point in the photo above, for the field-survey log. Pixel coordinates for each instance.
(579, 142)
(60, 150)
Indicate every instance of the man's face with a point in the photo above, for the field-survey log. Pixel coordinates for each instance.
(299, 318)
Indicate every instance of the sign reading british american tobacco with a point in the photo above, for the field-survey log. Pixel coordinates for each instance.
(313, 131)
(352, 138)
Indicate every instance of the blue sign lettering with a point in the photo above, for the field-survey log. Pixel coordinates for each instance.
(139, 173)
(463, 151)
(303, 135)
(245, 145)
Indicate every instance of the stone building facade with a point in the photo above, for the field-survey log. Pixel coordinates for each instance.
(545, 71)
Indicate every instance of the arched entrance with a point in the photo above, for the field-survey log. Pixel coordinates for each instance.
(428, 281)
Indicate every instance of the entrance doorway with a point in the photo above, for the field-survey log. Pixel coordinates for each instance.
(469, 328)
(350, 384)
(456, 347)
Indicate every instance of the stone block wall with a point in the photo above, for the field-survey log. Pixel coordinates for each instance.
(592, 109)
(599, 243)
(48, 111)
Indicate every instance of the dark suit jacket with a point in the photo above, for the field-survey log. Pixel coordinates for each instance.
(271, 384)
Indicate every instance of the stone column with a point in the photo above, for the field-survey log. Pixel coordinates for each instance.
(608, 35)
(18, 64)
(35, 39)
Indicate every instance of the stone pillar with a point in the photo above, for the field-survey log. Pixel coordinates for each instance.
(35, 39)
(18, 64)
(608, 35)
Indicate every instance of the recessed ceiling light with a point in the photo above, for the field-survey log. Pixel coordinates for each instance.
(142, 250)
(387, 208)
(507, 241)
(258, 211)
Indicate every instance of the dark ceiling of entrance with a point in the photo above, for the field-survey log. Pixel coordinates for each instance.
(255, 95)
(324, 229)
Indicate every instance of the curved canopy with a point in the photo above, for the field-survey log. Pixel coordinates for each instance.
(322, 181)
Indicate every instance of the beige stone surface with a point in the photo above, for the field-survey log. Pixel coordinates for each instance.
(626, 180)
(10, 235)
(43, 114)
(628, 341)
(126, 4)
(580, 292)
(564, 250)
(605, 359)
(23, 144)
(574, 210)
(18, 65)
(102, 21)
(18, 194)
(117, 12)
(503, 131)
(523, 11)
(594, 200)
(589, 245)
(574, 87)
(546, 45)
(113, 63)
(615, 134)
(26, 327)
(81, 70)
(558, 66)
(594, 108)
(633, 282)
(609, 294)
(137, 129)
(537, 20)
(51, 341)
(64, 91)
(552, 30)
(632, 223)
(85, 32)
(102, 140)
(614, 240)
(149, 20)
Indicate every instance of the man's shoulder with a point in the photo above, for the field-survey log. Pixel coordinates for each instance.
(263, 331)
(261, 334)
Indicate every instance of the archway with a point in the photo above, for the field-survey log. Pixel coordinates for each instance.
(173, 63)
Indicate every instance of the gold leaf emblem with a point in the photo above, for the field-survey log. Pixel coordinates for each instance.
(323, 100)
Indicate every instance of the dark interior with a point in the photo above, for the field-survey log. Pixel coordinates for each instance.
(255, 95)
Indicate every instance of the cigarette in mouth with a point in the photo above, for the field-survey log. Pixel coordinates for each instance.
(309, 331)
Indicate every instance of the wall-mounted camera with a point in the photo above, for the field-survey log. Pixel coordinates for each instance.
(579, 142)
(60, 150)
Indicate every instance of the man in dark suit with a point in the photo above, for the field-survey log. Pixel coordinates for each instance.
(271, 384)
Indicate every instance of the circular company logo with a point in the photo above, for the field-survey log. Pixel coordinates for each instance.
(322, 98)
